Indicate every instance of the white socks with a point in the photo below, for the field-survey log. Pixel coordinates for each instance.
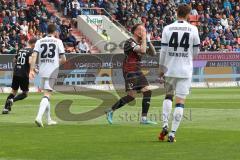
(44, 104)
(177, 117)
(167, 109)
(177, 114)
(144, 118)
(48, 112)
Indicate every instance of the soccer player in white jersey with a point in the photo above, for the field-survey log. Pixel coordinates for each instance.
(179, 44)
(50, 52)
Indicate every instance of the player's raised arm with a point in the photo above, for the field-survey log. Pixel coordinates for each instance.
(151, 49)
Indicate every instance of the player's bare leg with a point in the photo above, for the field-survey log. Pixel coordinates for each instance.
(124, 100)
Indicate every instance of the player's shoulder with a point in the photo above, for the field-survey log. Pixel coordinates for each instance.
(58, 40)
(129, 40)
(166, 28)
(26, 50)
(130, 43)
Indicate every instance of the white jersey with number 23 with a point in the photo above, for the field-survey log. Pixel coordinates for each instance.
(49, 50)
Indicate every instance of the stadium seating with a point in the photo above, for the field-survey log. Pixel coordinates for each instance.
(206, 15)
(156, 14)
(75, 31)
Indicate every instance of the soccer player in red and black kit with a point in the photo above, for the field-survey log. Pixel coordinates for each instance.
(20, 75)
(135, 80)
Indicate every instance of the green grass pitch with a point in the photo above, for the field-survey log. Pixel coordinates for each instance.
(209, 131)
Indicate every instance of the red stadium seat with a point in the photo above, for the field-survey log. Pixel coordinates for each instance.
(194, 20)
(238, 40)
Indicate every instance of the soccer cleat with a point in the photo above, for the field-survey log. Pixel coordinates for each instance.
(9, 104)
(39, 123)
(171, 138)
(163, 134)
(5, 111)
(148, 122)
(51, 122)
(109, 115)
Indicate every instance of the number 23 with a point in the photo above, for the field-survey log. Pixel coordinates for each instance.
(50, 48)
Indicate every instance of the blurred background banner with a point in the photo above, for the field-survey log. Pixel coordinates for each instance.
(99, 69)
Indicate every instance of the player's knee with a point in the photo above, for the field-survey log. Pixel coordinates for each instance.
(169, 97)
(132, 94)
(25, 94)
(130, 98)
(14, 92)
(147, 93)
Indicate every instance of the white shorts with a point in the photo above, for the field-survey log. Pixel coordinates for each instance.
(47, 83)
(179, 86)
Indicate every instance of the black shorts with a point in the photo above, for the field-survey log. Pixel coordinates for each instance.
(22, 82)
(135, 81)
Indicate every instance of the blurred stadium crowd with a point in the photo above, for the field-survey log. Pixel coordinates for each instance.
(21, 20)
(218, 20)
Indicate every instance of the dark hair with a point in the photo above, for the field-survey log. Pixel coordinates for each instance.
(32, 41)
(51, 28)
(135, 27)
(183, 10)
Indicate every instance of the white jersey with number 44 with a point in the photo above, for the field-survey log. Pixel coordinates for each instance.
(49, 50)
(180, 42)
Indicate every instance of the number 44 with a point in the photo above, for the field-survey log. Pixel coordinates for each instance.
(183, 43)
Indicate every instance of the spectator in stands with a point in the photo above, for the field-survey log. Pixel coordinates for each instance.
(76, 4)
(218, 26)
(213, 34)
(3, 49)
(13, 17)
(69, 48)
(43, 23)
(83, 46)
(24, 27)
(71, 39)
(54, 18)
(65, 27)
(229, 36)
(30, 34)
(19, 22)
(5, 18)
(75, 11)
(214, 48)
(14, 38)
(227, 4)
(236, 48)
(224, 21)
